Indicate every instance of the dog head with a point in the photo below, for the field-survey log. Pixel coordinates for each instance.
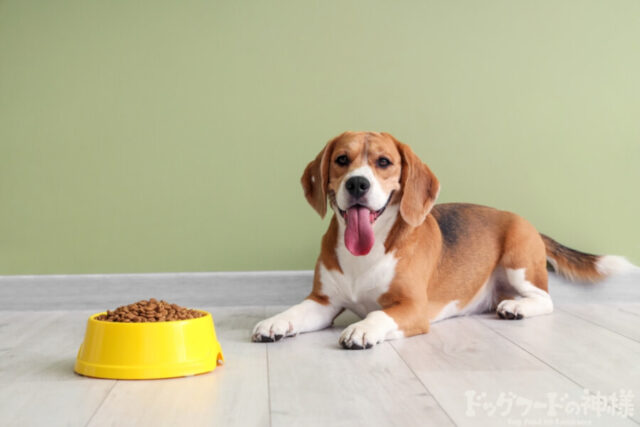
(362, 173)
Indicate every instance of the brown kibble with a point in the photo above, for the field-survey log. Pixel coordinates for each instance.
(149, 311)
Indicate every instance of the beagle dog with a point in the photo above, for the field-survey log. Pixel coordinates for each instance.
(401, 263)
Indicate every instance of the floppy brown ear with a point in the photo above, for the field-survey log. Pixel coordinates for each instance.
(315, 179)
(420, 187)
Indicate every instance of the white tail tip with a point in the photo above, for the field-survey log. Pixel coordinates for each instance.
(608, 265)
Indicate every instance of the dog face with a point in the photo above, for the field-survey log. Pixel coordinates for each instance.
(360, 172)
(364, 171)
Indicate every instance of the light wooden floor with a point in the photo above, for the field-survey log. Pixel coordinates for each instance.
(469, 371)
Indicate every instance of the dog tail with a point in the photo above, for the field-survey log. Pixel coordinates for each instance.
(584, 267)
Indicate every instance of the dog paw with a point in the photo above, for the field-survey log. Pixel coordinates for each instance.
(510, 309)
(361, 335)
(272, 329)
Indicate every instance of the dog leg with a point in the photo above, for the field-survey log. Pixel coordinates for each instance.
(380, 325)
(373, 329)
(533, 301)
(307, 316)
(525, 264)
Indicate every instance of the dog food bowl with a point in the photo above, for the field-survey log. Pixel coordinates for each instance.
(148, 350)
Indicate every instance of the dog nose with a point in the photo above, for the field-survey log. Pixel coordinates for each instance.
(358, 186)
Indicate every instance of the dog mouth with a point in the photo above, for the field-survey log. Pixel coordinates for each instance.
(358, 235)
(373, 215)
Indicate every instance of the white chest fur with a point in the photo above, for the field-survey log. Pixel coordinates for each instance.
(363, 278)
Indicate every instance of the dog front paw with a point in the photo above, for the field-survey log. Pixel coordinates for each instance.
(272, 329)
(510, 309)
(361, 335)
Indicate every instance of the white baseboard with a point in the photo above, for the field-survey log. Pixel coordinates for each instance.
(259, 288)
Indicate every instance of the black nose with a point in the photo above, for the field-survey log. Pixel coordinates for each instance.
(358, 186)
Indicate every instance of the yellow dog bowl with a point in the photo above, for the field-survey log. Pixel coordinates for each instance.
(148, 350)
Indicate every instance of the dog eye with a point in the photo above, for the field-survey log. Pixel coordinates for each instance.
(342, 160)
(383, 162)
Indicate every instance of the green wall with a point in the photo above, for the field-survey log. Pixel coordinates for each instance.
(171, 136)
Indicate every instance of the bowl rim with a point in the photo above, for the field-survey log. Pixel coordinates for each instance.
(92, 318)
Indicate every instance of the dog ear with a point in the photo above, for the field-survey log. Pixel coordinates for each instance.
(315, 179)
(420, 187)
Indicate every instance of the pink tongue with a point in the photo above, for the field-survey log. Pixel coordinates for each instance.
(358, 237)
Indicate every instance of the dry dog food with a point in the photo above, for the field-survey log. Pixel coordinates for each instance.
(149, 311)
